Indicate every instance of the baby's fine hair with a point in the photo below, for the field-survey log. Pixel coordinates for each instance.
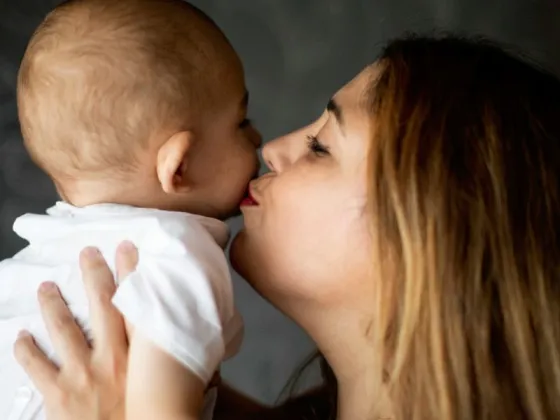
(101, 78)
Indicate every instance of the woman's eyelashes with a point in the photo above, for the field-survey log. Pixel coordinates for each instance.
(316, 147)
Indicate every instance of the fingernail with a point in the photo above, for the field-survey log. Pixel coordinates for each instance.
(48, 287)
(127, 246)
(23, 334)
(91, 252)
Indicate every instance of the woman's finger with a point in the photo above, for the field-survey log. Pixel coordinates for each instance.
(126, 259)
(67, 338)
(107, 324)
(38, 367)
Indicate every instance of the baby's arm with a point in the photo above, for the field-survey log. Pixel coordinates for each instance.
(158, 386)
(179, 305)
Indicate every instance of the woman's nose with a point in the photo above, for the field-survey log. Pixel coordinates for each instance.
(275, 154)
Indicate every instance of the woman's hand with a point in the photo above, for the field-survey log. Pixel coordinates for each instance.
(90, 383)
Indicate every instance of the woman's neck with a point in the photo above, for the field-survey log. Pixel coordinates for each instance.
(357, 395)
(358, 400)
(348, 350)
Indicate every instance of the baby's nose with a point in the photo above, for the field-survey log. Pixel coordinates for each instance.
(256, 138)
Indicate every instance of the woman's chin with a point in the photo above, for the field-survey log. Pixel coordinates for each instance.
(237, 252)
(245, 259)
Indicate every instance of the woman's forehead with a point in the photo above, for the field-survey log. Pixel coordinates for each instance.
(357, 93)
(348, 110)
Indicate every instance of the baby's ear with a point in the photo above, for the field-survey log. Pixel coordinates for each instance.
(172, 162)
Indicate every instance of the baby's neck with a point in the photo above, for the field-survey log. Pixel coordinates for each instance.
(85, 193)
(137, 192)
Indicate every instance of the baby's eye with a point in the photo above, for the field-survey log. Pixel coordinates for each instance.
(245, 123)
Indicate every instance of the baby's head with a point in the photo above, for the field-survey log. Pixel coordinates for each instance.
(140, 102)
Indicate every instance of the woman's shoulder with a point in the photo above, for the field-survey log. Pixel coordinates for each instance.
(311, 405)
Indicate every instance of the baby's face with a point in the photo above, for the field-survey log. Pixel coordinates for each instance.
(226, 158)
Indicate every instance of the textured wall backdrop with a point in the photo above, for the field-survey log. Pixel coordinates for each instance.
(296, 54)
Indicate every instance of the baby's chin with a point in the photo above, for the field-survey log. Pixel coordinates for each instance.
(233, 211)
(213, 211)
(231, 214)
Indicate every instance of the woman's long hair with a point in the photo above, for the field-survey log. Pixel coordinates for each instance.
(465, 182)
(465, 200)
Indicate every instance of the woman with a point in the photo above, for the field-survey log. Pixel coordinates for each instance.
(413, 231)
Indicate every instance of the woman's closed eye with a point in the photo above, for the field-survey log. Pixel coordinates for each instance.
(316, 147)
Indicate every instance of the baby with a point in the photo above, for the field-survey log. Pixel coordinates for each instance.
(137, 110)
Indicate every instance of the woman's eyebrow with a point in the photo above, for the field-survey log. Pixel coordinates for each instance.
(334, 108)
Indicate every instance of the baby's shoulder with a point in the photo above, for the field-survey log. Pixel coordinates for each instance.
(179, 230)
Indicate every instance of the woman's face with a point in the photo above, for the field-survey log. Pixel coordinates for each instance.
(307, 237)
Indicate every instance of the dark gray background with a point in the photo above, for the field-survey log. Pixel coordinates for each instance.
(296, 54)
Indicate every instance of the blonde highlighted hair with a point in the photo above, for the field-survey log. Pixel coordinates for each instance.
(465, 181)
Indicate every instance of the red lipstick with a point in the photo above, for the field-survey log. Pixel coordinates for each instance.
(249, 200)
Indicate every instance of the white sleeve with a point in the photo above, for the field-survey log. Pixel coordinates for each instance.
(184, 304)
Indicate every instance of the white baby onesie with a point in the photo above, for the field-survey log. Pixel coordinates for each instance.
(180, 296)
